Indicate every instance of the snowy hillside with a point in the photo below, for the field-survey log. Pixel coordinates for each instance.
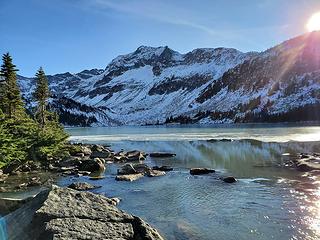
(157, 85)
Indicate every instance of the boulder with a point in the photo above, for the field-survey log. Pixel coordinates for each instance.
(200, 171)
(86, 150)
(127, 169)
(163, 168)
(135, 155)
(161, 154)
(229, 179)
(141, 168)
(129, 177)
(92, 165)
(102, 154)
(64, 213)
(155, 173)
(82, 186)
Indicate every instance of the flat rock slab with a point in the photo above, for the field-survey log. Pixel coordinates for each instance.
(64, 213)
(155, 173)
(129, 177)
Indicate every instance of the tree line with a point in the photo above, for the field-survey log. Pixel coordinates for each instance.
(36, 135)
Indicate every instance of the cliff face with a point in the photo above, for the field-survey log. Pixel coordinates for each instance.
(157, 85)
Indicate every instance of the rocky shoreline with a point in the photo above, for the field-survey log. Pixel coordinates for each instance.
(64, 213)
(74, 213)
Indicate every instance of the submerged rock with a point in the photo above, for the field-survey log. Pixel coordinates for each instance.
(161, 154)
(129, 177)
(163, 168)
(229, 179)
(63, 213)
(82, 186)
(200, 171)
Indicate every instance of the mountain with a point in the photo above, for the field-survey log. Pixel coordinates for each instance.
(207, 85)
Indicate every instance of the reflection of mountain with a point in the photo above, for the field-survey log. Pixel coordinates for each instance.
(245, 158)
(157, 85)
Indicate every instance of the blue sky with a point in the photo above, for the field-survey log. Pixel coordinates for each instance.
(73, 35)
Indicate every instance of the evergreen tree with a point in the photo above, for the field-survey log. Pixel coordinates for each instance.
(11, 102)
(51, 135)
(41, 95)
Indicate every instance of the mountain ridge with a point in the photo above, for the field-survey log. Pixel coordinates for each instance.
(206, 85)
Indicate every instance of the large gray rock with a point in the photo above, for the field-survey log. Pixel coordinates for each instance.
(92, 165)
(129, 177)
(63, 213)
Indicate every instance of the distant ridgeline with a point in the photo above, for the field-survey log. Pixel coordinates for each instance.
(221, 85)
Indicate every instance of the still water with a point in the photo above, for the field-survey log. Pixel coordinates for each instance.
(269, 201)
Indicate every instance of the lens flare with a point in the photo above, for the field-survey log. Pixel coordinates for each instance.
(314, 23)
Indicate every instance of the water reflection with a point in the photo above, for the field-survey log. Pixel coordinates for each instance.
(269, 201)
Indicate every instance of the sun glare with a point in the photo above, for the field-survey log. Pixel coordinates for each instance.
(314, 22)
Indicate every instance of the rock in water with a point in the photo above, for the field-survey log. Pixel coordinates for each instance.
(155, 173)
(161, 154)
(64, 213)
(129, 177)
(229, 179)
(200, 171)
(82, 186)
(95, 165)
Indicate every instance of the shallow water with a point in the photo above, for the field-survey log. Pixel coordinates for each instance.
(269, 201)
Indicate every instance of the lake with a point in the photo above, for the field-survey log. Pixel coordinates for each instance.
(269, 201)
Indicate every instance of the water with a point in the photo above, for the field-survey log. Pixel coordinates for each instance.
(269, 201)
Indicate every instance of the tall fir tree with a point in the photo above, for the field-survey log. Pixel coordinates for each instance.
(41, 95)
(11, 102)
(52, 137)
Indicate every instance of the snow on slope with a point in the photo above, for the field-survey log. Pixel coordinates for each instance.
(207, 85)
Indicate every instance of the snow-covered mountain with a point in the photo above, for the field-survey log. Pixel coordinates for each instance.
(157, 85)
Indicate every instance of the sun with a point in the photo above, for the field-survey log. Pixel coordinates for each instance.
(314, 22)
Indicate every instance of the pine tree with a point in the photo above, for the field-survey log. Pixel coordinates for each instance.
(41, 95)
(51, 136)
(11, 102)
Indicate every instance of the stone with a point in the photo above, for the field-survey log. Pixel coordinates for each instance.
(99, 151)
(92, 166)
(64, 213)
(127, 169)
(141, 168)
(135, 156)
(96, 154)
(129, 177)
(82, 186)
(115, 200)
(200, 171)
(84, 173)
(229, 179)
(161, 154)
(86, 150)
(163, 168)
(155, 173)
